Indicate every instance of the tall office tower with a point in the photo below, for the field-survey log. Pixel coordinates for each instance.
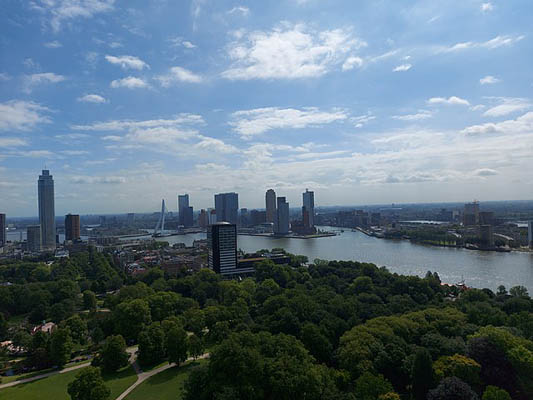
(3, 237)
(471, 214)
(227, 207)
(212, 217)
(187, 214)
(243, 218)
(282, 225)
(47, 215)
(33, 238)
(203, 219)
(222, 247)
(308, 208)
(130, 218)
(183, 203)
(270, 200)
(530, 234)
(72, 227)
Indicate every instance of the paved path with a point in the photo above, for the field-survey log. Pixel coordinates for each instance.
(34, 378)
(142, 376)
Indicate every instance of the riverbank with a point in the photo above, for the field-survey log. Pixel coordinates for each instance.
(269, 235)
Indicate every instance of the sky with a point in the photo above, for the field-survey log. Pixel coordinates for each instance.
(127, 102)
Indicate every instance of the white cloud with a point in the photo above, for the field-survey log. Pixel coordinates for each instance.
(351, 63)
(289, 52)
(112, 138)
(4, 76)
(210, 145)
(521, 125)
(129, 82)
(90, 180)
(507, 106)
(30, 81)
(453, 100)
(53, 45)
(60, 11)
(12, 142)
(178, 74)
(485, 172)
(92, 98)
(72, 136)
(498, 41)
(486, 7)
(128, 62)
(21, 115)
(242, 10)
(402, 68)
(74, 152)
(35, 154)
(362, 120)
(125, 125)
(179, 41)
(419, 116)
(254, 122)
(115, 45)
(489, 80)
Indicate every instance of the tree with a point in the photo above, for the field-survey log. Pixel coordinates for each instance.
(3, 327)
(89, 300)
(317, 344)
(370, 387)
(151, 345)
(176, 345)
(518, 291)
(196, 346)
(78, 328)
(113, 354)
(422, 374)
(60, 346)
(88, 385)
(460, 366)
(452, 389)
(495, 393)
(131, 317)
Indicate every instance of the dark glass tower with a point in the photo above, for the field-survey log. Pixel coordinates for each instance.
(47, 215)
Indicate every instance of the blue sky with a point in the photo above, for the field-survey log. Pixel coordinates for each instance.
(128, 102)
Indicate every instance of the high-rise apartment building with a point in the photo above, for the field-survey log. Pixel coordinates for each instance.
(187, 215)
(222, 248)
(471, 214)
(203, 219)
(183, 204)
(33, 238)
(72, 227)
(270, 200)
(47, 215)
(281, 227)
(530, 234)
(3, 235)
(227, 207)
(308, 209)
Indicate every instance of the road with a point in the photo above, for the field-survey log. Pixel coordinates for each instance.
(34, 378)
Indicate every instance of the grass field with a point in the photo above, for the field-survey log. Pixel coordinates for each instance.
(167, 385)
(55, 387)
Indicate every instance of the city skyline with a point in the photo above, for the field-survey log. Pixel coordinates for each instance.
(374, 104)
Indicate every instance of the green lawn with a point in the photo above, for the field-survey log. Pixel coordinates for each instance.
(55, 387)
(167, 385)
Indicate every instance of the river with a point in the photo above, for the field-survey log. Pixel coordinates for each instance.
(478, 268)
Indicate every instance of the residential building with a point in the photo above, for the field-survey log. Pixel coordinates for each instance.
(486, 218)
(72, 227)
(3, 234)
(471, 214)
(203, 219)
(486, 235)
(270, 202)
(212, 214)
(33, 238)
(47, 216)
(244, 218)
(281, 227)
(530, 234)
(183, 204)
(258, 217)
(222, 247)
(227, 207)
(308, 209)
(188, 216)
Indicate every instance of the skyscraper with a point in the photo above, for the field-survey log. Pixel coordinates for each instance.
(183, 203)
(227, 207)
(3, 238)
(308, 209)
(203, 219)
(270, 200)
(222, 247)
(33, 238)
(471, 214)
(282, 221)
(72, 227)
(47, 215)
(530, 234)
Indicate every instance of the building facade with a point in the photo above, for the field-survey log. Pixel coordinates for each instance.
(47, 216)
(281, 227)
(270, 203)
(530, 234)
(72, 227)
(227, 207)
(183, 204)
(308, 209)
(222, 248)
(33, 238)
(3, 234)
(471, 214)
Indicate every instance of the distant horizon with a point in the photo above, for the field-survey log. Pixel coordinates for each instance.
(60, 215)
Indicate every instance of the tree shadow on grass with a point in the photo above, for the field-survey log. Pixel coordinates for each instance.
(171, 373)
